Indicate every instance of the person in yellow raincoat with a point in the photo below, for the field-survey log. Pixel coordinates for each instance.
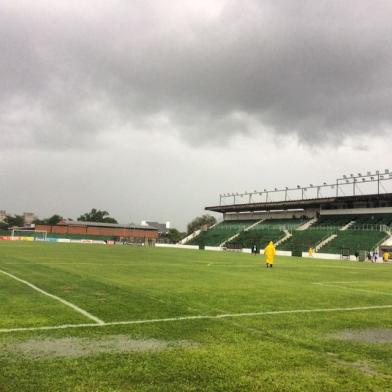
(269, 253)
(385, 256)
(310, 252)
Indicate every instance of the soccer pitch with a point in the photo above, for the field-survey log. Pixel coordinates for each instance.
(117, 318)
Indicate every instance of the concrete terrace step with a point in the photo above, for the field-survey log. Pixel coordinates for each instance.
(306, 225)
(325, 242)
(285, 238)
(349, 224)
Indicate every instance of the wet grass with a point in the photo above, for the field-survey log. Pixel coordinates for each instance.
(275, 352)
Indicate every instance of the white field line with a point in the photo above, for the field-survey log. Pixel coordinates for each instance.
(199, 317)
(63, 301)
(352, 288)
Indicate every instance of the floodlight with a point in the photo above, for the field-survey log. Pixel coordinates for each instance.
(311, 185)
(382, 177)
(377, 171)
(363, 179)
(351, 175)
(344, 176)
(298, 187)
(372, 178)
(369, 174)
(346, 181)
(359, 174)
(265, 190)
(386, 171)
(324, 183)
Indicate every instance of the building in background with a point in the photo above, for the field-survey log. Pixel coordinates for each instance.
(29, 218)
(103, 231)
(3, 214)
(163, 228)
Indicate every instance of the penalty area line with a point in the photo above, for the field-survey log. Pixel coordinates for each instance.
(199, 317)
(63, 301)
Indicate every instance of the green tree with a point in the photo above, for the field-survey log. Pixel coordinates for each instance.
(174, 235)
(53, 220)
(12, 221)
(96, 216)
(200, 221)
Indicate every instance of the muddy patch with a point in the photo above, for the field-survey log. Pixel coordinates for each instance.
(371, 335)
(363, 366)
(79, 347)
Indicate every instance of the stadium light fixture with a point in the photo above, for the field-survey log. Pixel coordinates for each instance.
(351, 175)
(386, 171)
(324, 183)
(265, 190)
(344, 176)
(359, 174)
(363, 179)
(298, 187)
(369, 173)
(346, 181)
(377, 172)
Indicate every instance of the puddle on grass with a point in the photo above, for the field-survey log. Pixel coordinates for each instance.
(371, 335)
(72, 347)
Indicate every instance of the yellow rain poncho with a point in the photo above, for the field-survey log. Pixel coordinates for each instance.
(269, 253)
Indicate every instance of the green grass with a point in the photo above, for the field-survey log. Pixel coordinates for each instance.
(275, 352)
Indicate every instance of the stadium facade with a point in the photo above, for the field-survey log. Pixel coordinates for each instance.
(332, 222)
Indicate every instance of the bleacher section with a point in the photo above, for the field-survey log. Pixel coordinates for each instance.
(266, 231)
(355, 241)
(370, 220)
(259, 236)
(221, 232)
(301, 241)
(337, 221)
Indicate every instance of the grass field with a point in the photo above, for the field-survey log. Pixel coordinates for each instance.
(148, 319)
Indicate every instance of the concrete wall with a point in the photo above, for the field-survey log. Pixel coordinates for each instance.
(356, 211)
(310, 213)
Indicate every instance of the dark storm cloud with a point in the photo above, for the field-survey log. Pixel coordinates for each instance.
(72, 71)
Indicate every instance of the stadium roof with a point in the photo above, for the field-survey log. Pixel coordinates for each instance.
(104, 224)
(376, 200)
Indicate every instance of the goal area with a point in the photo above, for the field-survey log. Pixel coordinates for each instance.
(36, 235)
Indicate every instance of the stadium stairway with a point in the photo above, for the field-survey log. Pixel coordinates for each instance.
(189, 237)
(285, 238)
(346, 227)
(237, 234)
(325, 242)
(306, 225)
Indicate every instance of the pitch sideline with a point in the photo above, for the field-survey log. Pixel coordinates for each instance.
(63, 301)
(197, 317)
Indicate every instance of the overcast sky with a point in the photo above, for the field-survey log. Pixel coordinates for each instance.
(150, 109)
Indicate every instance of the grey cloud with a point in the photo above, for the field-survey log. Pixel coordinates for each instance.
(317, 70)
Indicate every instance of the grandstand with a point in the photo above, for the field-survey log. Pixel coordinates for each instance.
(329, 223)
